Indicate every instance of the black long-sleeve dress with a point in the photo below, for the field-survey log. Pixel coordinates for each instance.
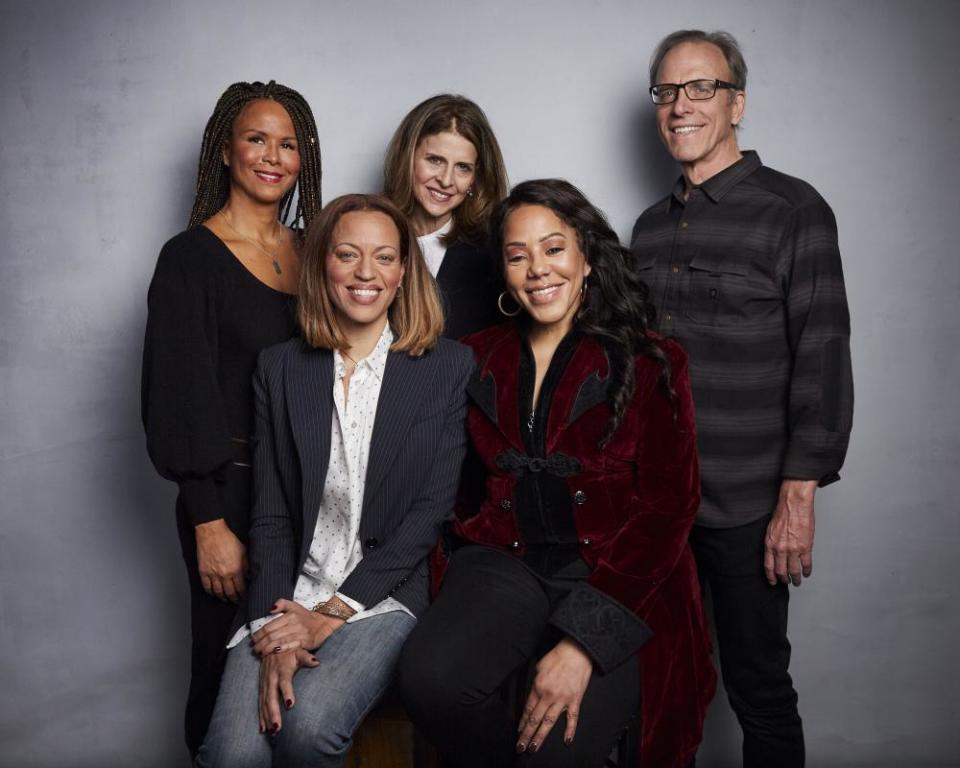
(208, 319)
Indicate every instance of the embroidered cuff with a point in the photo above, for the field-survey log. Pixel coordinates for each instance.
(606, 629)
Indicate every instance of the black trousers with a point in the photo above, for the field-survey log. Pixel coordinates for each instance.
(751, 623)
(462, 665)
(210, 621)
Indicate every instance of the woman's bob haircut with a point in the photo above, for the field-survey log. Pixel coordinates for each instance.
(416, 314)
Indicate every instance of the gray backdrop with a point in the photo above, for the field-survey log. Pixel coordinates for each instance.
(103, 106)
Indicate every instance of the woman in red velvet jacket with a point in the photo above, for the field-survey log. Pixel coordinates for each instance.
(569, 549)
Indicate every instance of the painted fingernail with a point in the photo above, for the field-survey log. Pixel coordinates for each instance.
(521, 747)
(276, 727)
(314, 660)
(274, 607)
(568, 740)
(289, 703)
(276, 649)
(533, 746)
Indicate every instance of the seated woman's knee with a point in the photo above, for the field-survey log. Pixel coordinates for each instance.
(313, 731)
(429, 675)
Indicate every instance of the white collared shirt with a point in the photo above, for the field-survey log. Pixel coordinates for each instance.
(433, 248)
(336, 548)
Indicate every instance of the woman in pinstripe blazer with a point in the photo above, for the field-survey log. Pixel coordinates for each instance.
(359, 440)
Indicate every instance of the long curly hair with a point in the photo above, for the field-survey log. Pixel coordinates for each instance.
(615, 307)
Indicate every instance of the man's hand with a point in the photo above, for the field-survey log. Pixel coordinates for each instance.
(788, 551)
(562, 679)
(296, 628)
(276, 685)
(221, 561)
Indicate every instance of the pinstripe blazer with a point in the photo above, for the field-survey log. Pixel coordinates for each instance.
(419, 440)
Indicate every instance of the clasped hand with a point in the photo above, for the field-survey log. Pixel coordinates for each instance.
(276, 685)
(295, 628)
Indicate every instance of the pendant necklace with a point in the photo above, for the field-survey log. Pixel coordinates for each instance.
(254, 243)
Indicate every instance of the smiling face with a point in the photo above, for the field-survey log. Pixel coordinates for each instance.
(700, 135)
(262, 154)
(363, 269)
(543, 266)
(444, 169)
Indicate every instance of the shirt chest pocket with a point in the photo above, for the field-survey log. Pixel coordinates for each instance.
(723, 291)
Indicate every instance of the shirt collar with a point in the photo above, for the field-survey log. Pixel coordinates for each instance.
(375, 362)
(720, 183)
(436, 234)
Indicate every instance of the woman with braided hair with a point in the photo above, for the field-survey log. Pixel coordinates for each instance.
(568, 561)
(223, 290)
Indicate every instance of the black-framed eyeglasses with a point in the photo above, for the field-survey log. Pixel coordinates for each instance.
(696, 90)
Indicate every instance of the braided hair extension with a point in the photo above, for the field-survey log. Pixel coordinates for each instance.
(615, 307)
(213, 176)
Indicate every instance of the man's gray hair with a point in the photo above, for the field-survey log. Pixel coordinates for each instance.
(726, 42)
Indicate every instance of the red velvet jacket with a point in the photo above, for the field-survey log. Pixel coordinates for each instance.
(634, 503)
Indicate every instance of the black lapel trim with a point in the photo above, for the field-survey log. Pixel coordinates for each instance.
(593, 391)
(483, 392)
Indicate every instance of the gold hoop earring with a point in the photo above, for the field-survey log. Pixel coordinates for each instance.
(583, 299)
(502, 310)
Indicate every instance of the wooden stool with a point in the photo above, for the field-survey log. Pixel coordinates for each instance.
(387, 739)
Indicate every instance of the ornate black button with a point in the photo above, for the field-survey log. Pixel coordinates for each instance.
(579, 497)
(506, 505)
(515, 545)
(371, 543)
(586, 542)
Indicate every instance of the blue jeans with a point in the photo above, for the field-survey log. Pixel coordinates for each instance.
(356, 666)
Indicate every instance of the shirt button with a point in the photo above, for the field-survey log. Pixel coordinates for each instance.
(683, 225)
(579, 497)
(354, 425)
(506, 504)
(515, 545)
(669, 316)
(676, 268)
(371, 543)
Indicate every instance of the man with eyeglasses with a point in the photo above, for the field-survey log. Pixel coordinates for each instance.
(744, 269)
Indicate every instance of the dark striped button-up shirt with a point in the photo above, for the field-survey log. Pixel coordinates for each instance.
(746, 274)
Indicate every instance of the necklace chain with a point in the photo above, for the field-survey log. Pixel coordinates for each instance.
(273, 256)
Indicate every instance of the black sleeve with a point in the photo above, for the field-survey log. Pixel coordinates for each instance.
(608, 631)
(821, 385)
(182, 408)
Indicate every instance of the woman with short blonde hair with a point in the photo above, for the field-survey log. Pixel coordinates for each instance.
(416, 315)
(359, 441)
